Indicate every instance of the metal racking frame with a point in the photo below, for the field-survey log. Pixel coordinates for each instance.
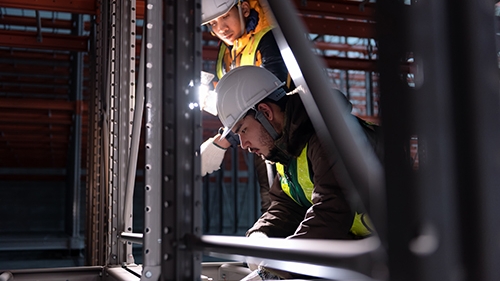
(434, 224)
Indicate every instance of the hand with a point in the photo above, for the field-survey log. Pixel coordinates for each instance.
(231, 139)
(211, 156)
(261, 274)
(254, 263)
(221, 142)
(252, 276)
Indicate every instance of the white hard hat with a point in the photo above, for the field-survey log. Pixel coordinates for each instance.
(212, 9)
(241, 89)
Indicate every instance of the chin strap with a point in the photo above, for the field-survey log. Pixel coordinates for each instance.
(259, 116)
(242, 21)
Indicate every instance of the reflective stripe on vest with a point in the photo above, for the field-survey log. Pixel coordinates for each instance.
(247, 54)
(298, 185)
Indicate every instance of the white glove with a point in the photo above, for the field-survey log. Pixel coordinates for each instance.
(252, 276)
(261, 274)
(254, 263)
(211, 156)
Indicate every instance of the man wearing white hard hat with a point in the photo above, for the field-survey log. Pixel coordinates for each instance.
(307, 200)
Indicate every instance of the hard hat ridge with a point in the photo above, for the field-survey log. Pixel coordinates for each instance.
(212, 9)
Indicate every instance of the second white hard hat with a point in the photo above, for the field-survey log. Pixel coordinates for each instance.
(212, 9)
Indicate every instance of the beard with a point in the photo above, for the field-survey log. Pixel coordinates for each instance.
(272, 156)
(275, 154)
(266, 141)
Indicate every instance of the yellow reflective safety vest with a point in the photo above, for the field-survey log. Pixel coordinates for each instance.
(247, 55)
(297, 184)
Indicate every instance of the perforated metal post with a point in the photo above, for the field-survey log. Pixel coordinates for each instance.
(173, 137)
(153, 171)
(119, 114)
(96, 173)
(181, 139)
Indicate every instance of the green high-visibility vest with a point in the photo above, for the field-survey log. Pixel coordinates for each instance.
(299, 186)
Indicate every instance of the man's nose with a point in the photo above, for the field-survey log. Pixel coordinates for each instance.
(221, 27)
(243, 142)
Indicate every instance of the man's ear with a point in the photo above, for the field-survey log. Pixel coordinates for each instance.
(245, 9)
(266, 110)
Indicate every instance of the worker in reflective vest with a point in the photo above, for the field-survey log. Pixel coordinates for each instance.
(308, 197)
(246, 39)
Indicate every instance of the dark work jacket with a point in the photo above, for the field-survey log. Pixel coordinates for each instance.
(330, 216)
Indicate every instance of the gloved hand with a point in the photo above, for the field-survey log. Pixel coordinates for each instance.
(211, 156)
(254, 263)
(231, 137)
(261, 274)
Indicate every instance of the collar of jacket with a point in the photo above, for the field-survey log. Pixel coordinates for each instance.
(259, 19)
(296, 133)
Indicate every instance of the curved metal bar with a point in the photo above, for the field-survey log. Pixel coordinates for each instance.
(307, 250)
(322, 258)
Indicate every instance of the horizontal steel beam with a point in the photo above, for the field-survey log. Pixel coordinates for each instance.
(342, 47)
(36, 138)
(350, 64)
(52, 72)
(210, 54)
(16, 90)
(332, 8)
(32, 21)
(63, 273)
(50, 41)
(73, 6)
(346, 28)
(34, 54)
(42, 82)
(38, 104)
(33, 118)
(34, 128)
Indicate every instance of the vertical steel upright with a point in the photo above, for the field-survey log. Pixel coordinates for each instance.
(153, 54)
(395, 116)
(441, 221)
(181, 139)
(173, 136)
(96, 174)
(121, 103)
(74, 164)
